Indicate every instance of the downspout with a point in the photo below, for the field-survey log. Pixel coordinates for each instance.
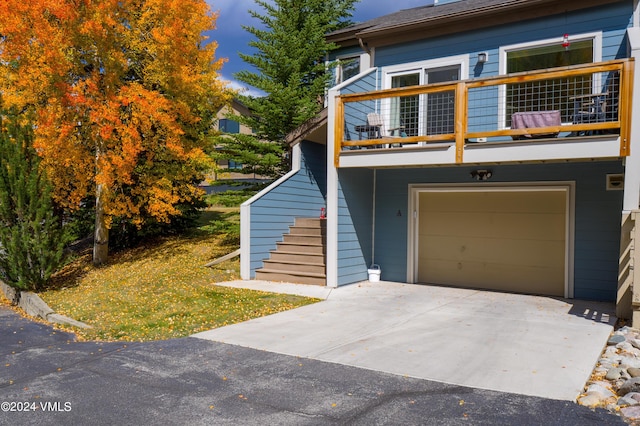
(373, 221)
(364, 46)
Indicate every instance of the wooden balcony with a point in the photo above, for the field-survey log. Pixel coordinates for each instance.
(557, 108)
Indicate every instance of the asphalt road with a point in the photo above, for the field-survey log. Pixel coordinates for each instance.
(46, 377)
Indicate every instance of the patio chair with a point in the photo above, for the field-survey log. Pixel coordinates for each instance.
(375, 119)
(375, 129)
(590, 108)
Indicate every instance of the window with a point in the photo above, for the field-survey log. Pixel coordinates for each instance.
(405, 109)
(234, 165)
(347, 68)
(441, 106)
(552, 94)
(228, 126)
(431, 114)
(535, 58)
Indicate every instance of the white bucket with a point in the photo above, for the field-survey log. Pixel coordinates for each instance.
(374, 273)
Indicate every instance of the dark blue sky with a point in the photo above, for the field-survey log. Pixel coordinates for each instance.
(232, 38)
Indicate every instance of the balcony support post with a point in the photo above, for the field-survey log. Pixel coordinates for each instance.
(460, 119)
(625, 117)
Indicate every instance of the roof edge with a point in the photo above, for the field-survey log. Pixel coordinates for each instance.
(314, 123)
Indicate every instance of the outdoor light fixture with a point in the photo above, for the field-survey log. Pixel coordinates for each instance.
(483, 57)
(481, 174)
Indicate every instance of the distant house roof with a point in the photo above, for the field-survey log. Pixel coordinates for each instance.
(433, 20)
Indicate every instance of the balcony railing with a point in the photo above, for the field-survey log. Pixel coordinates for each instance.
(575, 101)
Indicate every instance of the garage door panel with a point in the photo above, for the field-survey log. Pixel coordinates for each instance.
(521, 225)
(501, 240)
(510, 201)
(494, 276)
(496, 250)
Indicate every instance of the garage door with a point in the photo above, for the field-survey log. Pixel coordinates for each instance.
(500, 240)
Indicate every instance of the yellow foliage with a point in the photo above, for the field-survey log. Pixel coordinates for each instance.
(122, 91)
(160, 291)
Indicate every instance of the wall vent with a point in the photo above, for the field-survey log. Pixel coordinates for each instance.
(615, 182)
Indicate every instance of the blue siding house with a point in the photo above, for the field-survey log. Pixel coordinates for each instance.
(474, 143)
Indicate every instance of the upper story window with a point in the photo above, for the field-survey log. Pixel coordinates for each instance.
(228, 126)
(347, 68)
(553, 94)
(550, 56)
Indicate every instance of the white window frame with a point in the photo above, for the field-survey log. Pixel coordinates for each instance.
(390, 71)
(502, 90)
(395, 70)
(364, 65)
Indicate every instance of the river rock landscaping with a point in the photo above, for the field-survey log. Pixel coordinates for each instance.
(615, 382)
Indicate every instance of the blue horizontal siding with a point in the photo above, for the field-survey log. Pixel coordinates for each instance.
(355, 203)
(364, 84)
(612, 20)
(302, 195)
(285, 204)
(597, 218)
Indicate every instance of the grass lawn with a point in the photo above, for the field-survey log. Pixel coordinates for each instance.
(163, 290)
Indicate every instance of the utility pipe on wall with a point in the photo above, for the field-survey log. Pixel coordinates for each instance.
(373, 221)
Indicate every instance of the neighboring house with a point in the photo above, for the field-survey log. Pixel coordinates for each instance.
(481, 143)
(228, 169)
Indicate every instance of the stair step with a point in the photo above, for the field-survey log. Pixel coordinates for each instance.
(275, 275)
(303, 239)
(300, 257)
(294, 256)
(305, 230)
(301, 248)
(310, 222)
(295, 267)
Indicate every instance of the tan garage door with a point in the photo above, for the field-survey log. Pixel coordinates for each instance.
(499, 240)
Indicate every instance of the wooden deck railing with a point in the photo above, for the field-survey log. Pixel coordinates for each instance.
(580, 100)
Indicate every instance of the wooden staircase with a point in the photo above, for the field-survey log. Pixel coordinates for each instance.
(300, 257)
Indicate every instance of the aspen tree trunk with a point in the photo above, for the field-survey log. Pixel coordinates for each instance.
(101, 237)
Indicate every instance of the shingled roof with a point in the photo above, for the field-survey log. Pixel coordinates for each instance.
(438, 19)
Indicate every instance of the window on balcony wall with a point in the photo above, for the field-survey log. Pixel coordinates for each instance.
(404, 110)
(552, 94)
(427, 114)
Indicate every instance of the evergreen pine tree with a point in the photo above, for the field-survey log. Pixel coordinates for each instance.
(31, 237)
(291, 71)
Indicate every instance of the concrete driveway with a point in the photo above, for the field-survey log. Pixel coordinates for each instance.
(528, 345)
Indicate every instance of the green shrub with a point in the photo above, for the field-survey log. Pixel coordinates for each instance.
(31, 234)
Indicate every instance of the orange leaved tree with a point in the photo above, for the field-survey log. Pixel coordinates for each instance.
(124, 92)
